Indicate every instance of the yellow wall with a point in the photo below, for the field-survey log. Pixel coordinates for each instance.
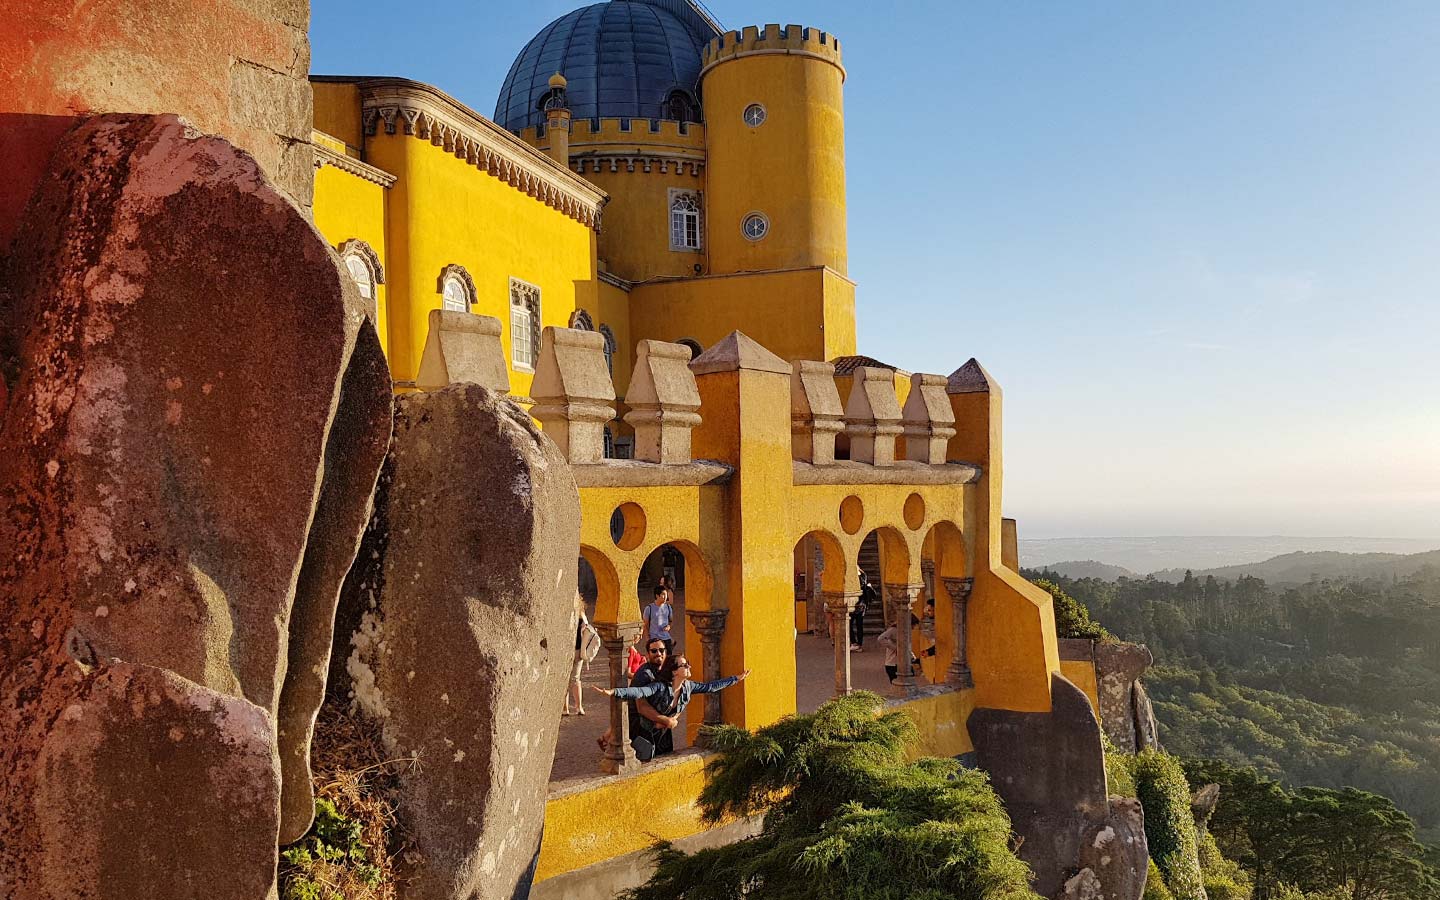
(620, 816)
(1081, 673)
(612, 308)
(337, 111)
(635, 240)
(444, 211)
(347, 206)
(791, 168)
(795, 314)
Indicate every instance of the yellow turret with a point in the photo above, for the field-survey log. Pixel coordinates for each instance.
(775, 149)
(557, 120)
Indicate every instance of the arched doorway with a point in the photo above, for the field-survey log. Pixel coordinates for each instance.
(884, 560)
(819, 575)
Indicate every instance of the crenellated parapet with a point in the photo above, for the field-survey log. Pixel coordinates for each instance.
(772, 39)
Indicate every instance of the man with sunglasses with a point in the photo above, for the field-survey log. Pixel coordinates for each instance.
(644, 720)
(670, 694)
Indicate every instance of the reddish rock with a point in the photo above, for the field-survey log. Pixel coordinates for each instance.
(175, 339)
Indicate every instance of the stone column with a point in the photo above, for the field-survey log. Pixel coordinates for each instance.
(619, 758)
(901, 598)
(959, 672)
(840, 604)
(710, 625)
(927, 575)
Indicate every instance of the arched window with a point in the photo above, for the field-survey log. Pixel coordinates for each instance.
(694, 345)
(681, 107)
(524, 324)
(457, 288)
(610, 346)
(685, 228)
(580, 320)
(362, 264)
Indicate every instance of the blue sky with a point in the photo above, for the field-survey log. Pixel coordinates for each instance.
(1197, 244)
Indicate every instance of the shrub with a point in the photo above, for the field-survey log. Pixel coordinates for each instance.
(1169, 827)
(1155, 888)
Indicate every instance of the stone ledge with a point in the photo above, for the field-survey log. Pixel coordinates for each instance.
(635, 473)
(902, 472)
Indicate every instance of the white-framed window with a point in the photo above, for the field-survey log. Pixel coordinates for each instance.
(755, 226)
(685, 221)
(754, 115)
(457, 288)
(524, 324)
(362, 264)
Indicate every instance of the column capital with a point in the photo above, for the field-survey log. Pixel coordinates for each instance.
(903, 594)
(840, 601)
(959, 588)
(619, 633)
(709, 623)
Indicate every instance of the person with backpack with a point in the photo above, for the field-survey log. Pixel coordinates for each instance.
(587, 647)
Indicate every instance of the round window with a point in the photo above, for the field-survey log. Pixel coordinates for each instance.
(754, 115)
(755, 226)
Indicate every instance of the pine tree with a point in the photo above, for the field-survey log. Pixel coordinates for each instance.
(846, 816)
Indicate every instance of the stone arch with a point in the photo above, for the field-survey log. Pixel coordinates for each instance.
(607, 583)
(821, 665)
(580, 320)
(945, 569)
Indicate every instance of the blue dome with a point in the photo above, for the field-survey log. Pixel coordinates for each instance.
(622, 59)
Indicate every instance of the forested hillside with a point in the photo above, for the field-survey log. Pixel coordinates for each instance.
(1332, 683)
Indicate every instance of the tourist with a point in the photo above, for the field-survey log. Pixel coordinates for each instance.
(890, 640)
(657, 618)
(868, 595)
(669, 694)
(587, 647)
(642, 710)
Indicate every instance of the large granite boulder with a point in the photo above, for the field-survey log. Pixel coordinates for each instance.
(460, 608)
(1118, 667)
(1049, 770)
(176, 337)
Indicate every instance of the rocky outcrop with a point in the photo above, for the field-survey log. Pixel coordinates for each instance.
(109, 829)
(1118, 666)
(461, 610)
(177, 335)
(1049, 770)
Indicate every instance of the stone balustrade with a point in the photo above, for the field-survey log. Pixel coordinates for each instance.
(574, 397)
(928, 420)
(462, 347)
(664, 403)
(872, 416)
(816, 415)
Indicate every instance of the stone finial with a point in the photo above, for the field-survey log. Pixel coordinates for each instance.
(463, 347)
(816, 415)
(574, 398)
(971, 378)
(872, 416)
(928, 419)
(663, 401)
(737, 351)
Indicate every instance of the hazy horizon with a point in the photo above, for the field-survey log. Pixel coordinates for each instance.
(1144, 554)
(1196, 245)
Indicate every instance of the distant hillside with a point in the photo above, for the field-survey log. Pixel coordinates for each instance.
(1090, 568)
(1301, 567)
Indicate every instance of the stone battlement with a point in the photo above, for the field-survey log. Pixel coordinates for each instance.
(773, 39)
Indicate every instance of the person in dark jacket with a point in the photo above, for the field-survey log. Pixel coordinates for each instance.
(669, 695)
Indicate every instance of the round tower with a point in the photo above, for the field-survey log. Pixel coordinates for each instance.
(775, 150)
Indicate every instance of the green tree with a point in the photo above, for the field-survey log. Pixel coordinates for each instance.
(847, 816)
(1072, 619)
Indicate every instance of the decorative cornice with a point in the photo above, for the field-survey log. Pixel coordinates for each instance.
(357, 246)
(647, 162)
(615, 281)
(398, 105)
(326, 156)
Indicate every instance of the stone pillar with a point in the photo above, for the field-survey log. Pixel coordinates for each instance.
(816, 415)
(663, 401)
(901, 598)
(840, 604)
(959, 672)
(927, 575)
(872, 416)
(710, 625)
(928, 420)
(574, 398)
(619, 758)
